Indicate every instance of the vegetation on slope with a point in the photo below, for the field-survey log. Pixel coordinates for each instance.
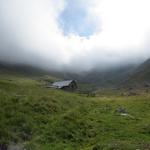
(46, 119)
(141, 76)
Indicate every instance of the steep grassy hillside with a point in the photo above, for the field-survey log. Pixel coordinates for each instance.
(38, 118)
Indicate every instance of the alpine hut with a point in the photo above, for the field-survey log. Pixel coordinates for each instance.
(65, 85)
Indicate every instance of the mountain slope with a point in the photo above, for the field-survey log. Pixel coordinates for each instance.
(141, 75)
(15, 73)
(21, 69)
(125, 75)
(33, 117)
(108, 78)
(97, 78)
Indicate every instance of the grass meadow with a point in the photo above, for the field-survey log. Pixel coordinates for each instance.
(38, 118)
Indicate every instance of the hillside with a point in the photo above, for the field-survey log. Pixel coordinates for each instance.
(106, 78)
(140, 76)
(37, 118)
(22, 69)
(131, 75)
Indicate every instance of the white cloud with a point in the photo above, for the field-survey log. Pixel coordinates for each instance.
(31, 30)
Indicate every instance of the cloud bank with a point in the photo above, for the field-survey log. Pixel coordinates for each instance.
(35, 32)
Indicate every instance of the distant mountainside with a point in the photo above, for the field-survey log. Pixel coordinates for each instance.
(130, 75)
(141, 75)
(98, 78)
(24, 69)
(109, 78)
(11, 71)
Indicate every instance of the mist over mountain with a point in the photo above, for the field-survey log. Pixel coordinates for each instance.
(140, 76)
(74, 36)
(124, 76)
(74, 74)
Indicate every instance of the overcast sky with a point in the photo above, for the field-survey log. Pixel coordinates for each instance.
(74, 34)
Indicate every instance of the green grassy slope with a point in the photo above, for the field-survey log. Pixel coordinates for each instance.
(45, 119)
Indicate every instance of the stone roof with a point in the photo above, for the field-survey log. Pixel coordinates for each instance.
(61, 84)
